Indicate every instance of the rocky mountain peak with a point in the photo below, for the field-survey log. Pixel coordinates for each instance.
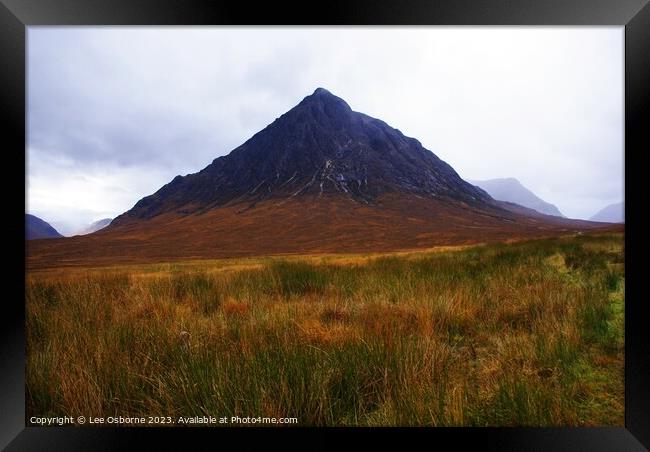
(321, 147)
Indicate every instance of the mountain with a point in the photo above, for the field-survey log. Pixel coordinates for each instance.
(614, 213)
(35, 228)
(95, 226)
(320, 147)
(511, 190)
(321, 178)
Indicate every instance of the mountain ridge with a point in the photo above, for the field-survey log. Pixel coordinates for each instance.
(613, 213)
(321, 178)
(319, 147)
(512, 190)
(37, 228)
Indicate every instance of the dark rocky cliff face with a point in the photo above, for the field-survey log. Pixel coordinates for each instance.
(318, 148)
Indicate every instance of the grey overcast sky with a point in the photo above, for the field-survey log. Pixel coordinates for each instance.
(116, 112)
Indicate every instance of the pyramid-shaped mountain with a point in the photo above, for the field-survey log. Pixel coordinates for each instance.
(321, 178)
(319, 147)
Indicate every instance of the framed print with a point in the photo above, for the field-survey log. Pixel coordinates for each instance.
(387, 220)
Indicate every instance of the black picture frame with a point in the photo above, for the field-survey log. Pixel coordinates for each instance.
(17, 15)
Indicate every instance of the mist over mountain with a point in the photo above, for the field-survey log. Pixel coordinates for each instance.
(511, 190)
(613, 213)
(95, 226)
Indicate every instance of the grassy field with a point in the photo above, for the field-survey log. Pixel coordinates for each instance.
(527, 333)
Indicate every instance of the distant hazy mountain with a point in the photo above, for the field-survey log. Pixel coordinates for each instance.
(35, 228)
(614, 213)
(511, 190)
(96, 226)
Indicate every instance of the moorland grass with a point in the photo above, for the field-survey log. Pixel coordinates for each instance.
(522, 334)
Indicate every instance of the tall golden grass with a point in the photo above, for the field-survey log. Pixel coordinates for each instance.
(522, 334)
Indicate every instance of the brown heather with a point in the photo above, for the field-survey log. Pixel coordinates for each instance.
(527, 333)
